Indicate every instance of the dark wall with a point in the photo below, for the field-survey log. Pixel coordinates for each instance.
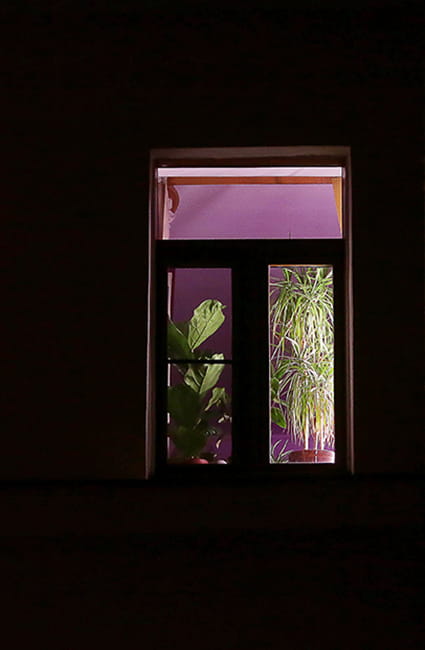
(86, 95)
(221, 591)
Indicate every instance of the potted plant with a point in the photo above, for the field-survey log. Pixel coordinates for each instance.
(196, 405)
(302, 357)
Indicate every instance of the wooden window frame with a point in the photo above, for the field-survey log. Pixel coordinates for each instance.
(250, 451)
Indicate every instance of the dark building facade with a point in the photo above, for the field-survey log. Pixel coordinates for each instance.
(91, 550)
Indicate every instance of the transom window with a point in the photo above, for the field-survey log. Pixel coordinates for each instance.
(250, 203)
(250, 311)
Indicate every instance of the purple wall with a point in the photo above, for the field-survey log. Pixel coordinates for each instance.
(255, 212)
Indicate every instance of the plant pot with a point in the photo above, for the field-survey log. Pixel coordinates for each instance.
(193, 461)
(312, 456)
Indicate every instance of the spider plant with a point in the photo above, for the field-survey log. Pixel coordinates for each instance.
(279, 456)
(301, 320)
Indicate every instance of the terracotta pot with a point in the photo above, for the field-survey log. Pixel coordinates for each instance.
(194, 461)
(312, 456)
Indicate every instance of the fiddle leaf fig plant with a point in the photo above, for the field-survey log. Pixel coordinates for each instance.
(196, 405)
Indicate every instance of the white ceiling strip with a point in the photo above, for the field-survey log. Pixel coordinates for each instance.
(195, 172)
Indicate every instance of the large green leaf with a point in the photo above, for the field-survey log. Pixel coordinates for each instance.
(201, 377)
(184, 405)
(190, 441)
(177, 345)
(219, 396)
(206, 320)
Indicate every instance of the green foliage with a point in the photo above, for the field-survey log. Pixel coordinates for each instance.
(184, 405)
(202, 377)
(190, 441)
(206, 320)
(278, 417)
(302, 334)
(196, 405)
(177, 344)
(279, 457)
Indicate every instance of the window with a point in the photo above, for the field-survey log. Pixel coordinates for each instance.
(250, 311)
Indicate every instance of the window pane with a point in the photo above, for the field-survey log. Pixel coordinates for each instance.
(250, 203)
(199, 413)
(199, 369)
(200, 306)
(302, 428)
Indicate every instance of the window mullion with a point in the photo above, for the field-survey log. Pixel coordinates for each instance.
(343, 459)
(251, 362)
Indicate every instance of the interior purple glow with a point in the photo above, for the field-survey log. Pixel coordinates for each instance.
(255, 212)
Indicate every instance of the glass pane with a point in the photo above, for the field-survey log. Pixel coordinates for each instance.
(250, 203)
(199, 371)
(199, 414)
(200, 311)
(302, 428)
